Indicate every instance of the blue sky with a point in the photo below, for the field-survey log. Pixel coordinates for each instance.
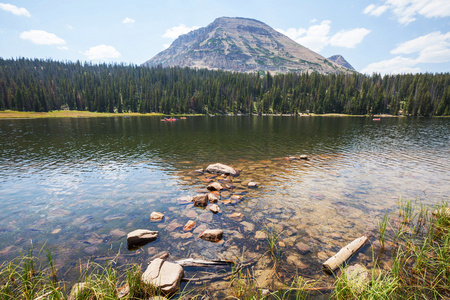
(383, 36)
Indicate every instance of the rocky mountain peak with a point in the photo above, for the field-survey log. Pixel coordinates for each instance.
(340, 60)
(242, 45)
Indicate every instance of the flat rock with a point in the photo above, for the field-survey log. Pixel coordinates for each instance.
(164, 275)
(206, 217)
(261, 235)
(185, 200)
(358, 277)
(191, 214)
(295, 259)
(248, 226)
(156, 216)
(219, 168)
(303, 248)
(140, 237)
(117, 232)
(200, 228)
(211, 235)
(236, 216)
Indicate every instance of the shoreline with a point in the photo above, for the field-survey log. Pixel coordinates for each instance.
(12, 114)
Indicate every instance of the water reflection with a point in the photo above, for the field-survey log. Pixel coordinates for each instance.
(79, 185)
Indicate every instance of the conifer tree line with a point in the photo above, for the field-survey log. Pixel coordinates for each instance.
(45, 85)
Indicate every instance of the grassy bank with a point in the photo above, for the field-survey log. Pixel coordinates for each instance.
(411, 260)
(10, 114)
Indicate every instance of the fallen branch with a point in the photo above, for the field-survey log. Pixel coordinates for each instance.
(344, 254)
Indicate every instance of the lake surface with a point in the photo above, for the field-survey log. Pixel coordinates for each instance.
(79, 185)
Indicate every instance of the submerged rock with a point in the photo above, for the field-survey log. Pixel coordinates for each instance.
(140, 237)
(164, 275)
(185, 200)
(156, 216)
(236, 216)
(219, 168)
(303, 248)
(211, 235)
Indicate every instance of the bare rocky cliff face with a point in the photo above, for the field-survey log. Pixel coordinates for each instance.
(340, 60)
(242, 45)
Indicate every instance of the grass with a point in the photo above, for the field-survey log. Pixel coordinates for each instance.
(411, 261)
(10, 114)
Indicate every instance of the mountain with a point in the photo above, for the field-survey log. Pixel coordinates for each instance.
(242, 45)
(340, 60)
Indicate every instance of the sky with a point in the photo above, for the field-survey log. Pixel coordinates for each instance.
(381, 36)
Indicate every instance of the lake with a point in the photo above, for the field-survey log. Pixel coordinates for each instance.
(78, 185)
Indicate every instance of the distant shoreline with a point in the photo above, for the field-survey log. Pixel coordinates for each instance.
(11, 114)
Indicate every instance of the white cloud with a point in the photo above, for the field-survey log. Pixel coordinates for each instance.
(63, 48)
(396, 65)
(431, 48)
(375, 11)
(317, 37)
(18, 11)
(349, 38)
(176, 31)
(166, 46)
(128, 21)
(102, 52)
(41, 37)
(407, 10)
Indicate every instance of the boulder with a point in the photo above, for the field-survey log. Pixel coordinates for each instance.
(156, 216)
(190, 225)
(358, 277)
(164, 275)
(303, 156)
(140, 237)
(214, 186)
(214, 208)
(221, 169)
(200, 200)
(77, 290)
(211, 235)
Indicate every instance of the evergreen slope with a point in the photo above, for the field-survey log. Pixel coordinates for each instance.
(43, 85)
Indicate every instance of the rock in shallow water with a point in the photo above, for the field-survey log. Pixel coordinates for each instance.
(200, 200)
(164, 275)
(156, 216)
(140, 237)
(211, 235)
(221, 169)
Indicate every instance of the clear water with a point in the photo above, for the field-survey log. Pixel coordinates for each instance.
(79, 185)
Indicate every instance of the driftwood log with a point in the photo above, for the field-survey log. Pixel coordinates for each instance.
(344, 254)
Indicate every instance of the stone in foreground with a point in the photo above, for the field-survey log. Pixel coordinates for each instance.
(164, 275)
(140, 237)
(221, 169)
(211, 235)
(214, 186)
